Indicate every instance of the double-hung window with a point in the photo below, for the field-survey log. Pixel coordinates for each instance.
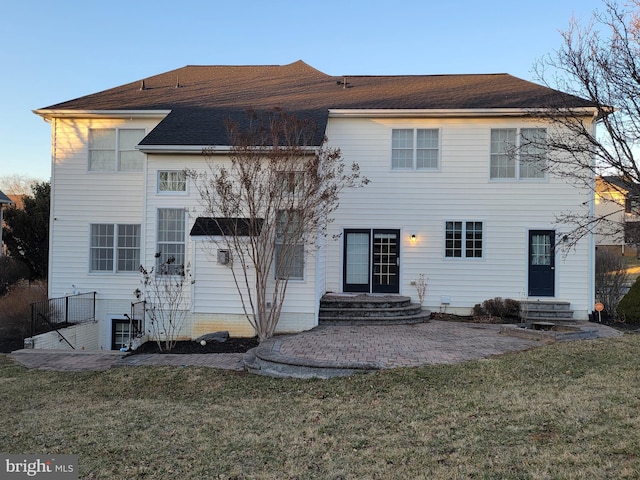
(115, 248)
(171, 241)
(289, 246)
(113, 150)
(172, 181)
(518, 154)
(463, 239)
(415, 149)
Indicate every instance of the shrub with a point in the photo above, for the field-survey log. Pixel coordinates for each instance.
(11, 271)
(497, 307)
(611, 279)
(629, 306)
(15, 308)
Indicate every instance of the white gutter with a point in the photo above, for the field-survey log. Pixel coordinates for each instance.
(182, 149)
(439, 113)
(54, 113)
(198, 149)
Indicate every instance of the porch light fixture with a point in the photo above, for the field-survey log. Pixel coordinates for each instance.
(414, 239)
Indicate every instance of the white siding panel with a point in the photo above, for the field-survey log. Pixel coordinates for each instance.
(79, 198)
(421, 202)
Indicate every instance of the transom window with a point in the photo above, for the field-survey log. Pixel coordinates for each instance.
(415, 149)
(171, 241)
(463, 240)
(113, 149)
(115, 248)
(172, 181)
(518, 155)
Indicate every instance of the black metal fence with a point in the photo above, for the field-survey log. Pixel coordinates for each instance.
(61, 312)
(138, 313)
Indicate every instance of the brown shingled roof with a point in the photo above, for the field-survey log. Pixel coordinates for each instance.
(201, 98)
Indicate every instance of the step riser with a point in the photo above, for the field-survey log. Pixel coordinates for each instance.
(544, 306)
(371, 310)
(552, 313)
(354, 312)
(546, 311)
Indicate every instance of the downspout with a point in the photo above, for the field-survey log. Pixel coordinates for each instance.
(592, 244)
(54, 153)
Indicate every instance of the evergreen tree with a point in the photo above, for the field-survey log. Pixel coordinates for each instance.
(26, 231)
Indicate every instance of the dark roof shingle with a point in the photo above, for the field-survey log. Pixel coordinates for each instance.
(201, 98)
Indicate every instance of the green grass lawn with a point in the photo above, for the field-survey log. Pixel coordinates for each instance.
(563, 411)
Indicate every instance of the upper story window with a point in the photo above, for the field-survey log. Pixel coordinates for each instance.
(113, 150)
(415, 149)
(171, 241)
(518, 155)
(114, 248)
(463, 240)
(172, 181)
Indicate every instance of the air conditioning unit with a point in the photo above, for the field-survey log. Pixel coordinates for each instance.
(224, 257)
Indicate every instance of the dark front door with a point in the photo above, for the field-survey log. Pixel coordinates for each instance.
(371, 261)
(542, 263)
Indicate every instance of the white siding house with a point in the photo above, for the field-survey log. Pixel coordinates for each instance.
(443, 199)
(616, 201)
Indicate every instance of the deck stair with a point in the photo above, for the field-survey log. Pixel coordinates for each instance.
(365, 309)
(549, 311)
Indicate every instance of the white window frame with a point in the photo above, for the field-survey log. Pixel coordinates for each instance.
(514, 153)
(414, 148)
(118, 151)
(466, 227)
(298, 262)
(171, 182)
(115, 248)
(162, 258)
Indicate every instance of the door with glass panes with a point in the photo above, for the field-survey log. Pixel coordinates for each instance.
(371, 260)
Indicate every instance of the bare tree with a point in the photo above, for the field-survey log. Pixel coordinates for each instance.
(165, 291)
(598, 61)
(269, 202)
(18, 184)
(611, 281)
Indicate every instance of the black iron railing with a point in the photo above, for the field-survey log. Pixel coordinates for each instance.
(61, 312)
(138, 312)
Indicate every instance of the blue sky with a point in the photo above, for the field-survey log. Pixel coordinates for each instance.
(56, 51)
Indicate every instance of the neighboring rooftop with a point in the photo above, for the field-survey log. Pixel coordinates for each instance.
(201, 98)
(4, 199)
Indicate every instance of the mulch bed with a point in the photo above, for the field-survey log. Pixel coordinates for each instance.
(231, 345)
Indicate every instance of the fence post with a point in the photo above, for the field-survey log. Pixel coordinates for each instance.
(33, 319)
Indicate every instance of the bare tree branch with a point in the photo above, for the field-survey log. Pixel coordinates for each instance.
(282, 192)
(600, 62)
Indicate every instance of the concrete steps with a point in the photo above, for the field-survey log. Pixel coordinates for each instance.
(532, 311)
(363, 309)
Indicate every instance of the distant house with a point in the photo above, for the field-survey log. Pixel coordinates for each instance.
(447, 199)
(4, 200)
(618, 200)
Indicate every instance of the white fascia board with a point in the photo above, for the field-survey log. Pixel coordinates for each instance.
(185, 149)
(439, 113)
(47, 113)
(197, 149)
